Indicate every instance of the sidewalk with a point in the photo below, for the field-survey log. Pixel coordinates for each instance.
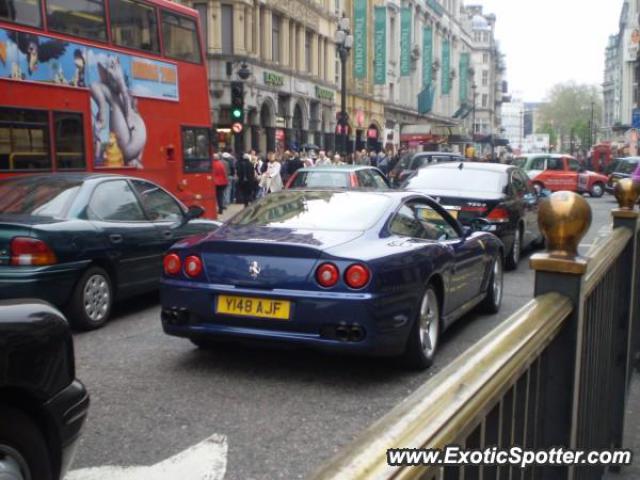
(632, 433)
(230, 211)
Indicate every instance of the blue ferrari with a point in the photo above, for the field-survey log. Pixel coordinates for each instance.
(379, 273)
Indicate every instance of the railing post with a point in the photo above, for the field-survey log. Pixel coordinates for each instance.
(628, 327)
(627, 193)
(564, 219)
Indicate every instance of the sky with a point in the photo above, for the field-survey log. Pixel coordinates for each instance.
(552, 41)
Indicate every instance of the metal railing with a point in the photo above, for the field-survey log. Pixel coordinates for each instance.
(555, 373)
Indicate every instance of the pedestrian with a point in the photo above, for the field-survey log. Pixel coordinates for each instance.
(323, 160)
(383, 163)
(337, 160)
(373, 158)
(274, 179)
(220, 181)
(285, 159)
(246, 179)
(307, 161)
(228, 162)
(295, 164)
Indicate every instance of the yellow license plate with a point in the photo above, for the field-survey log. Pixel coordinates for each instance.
(253, 307)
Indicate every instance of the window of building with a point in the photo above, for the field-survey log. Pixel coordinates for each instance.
(134, 25)
(195, 149)
(485, 78)
(485, 58)
(485, 100)
(69, 141)
(81, 18)
(392, 38)
(337, 5)
(227, 29)
(24, 140)
(293, 50)
(276, 23)
(180, 37)
(307, 51)
(114, 201)
(24, 12)
(203, 13)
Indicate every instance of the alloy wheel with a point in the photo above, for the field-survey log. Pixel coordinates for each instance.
(497, 282)
(12, 465)
(96, 297)
(429, 323)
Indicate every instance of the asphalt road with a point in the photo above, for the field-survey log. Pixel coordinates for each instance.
(283, 412)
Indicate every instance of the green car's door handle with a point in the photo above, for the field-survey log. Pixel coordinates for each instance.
(115, 238)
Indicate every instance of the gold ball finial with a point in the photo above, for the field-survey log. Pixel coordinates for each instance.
(627, 192)
(564, 219)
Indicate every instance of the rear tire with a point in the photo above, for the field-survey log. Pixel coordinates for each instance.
(513, 257)
(92, 299)
(493, 299)
(597, 190)
(425, 333)
(23, 448)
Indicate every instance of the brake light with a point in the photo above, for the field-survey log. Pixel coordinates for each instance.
(327, 275)
(498, 215)
(357, 276)
(171, 264)
(31, 251)
(192, 266)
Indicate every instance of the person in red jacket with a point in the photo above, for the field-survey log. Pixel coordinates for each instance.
(220, 180)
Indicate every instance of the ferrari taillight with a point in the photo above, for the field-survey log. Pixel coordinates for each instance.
(192, 266)
(171, 264)
(31, 251)
(357, 276)
(327, 275)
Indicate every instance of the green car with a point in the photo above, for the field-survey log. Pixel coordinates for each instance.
(83, 241)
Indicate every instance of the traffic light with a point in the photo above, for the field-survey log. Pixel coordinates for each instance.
(237, 101)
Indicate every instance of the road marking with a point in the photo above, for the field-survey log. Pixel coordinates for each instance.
(206, 460)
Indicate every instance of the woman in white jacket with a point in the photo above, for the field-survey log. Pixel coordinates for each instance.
(272, 179)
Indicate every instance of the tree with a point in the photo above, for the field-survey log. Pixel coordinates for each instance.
(567, 113)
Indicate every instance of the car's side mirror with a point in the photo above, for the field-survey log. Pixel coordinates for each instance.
(194, 211)
(467, 231)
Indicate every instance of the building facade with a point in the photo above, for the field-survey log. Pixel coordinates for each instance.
(414, 73)
(513, 117)
(288, 47)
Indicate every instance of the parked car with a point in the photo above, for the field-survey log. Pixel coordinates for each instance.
(628, 167)
(379, 273)
(43, 406)
(561, 172)
(349, 177)
(501, 194)
(411, 162)
(81, 241)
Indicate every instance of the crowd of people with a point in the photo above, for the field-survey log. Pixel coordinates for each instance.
(245, 179)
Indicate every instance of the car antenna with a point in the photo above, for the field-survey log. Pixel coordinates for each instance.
(461, 166)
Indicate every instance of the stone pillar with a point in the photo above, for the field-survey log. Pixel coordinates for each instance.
(239, 47)
(215, 28)
(285, 42)
(301, 64)
(321, 60)
(257, 31)
(314, 55)
(266, 35)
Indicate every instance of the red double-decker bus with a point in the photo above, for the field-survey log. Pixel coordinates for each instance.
(106, 85)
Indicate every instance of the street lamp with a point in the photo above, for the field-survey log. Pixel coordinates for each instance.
(474, 90)
(344, 43)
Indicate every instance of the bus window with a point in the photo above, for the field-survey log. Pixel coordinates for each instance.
(134, 25)
(81, 18)
(25, 12)
(24, 140)
(180, 37)
(195, 149)
(69, 141)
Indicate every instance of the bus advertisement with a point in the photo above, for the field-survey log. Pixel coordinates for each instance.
(124, 93)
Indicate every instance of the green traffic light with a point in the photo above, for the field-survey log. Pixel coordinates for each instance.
(236, 113)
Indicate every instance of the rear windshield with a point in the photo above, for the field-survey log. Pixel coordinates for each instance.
(38, 197)
(321, 179)
(345, 211)
(520, 162)
(627, 166)
(469, 179)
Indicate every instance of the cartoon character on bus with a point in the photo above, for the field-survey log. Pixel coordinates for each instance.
(36, 50)
(116, 110)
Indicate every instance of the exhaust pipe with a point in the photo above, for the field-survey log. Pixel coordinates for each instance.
(342, 333)
(356, 333)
